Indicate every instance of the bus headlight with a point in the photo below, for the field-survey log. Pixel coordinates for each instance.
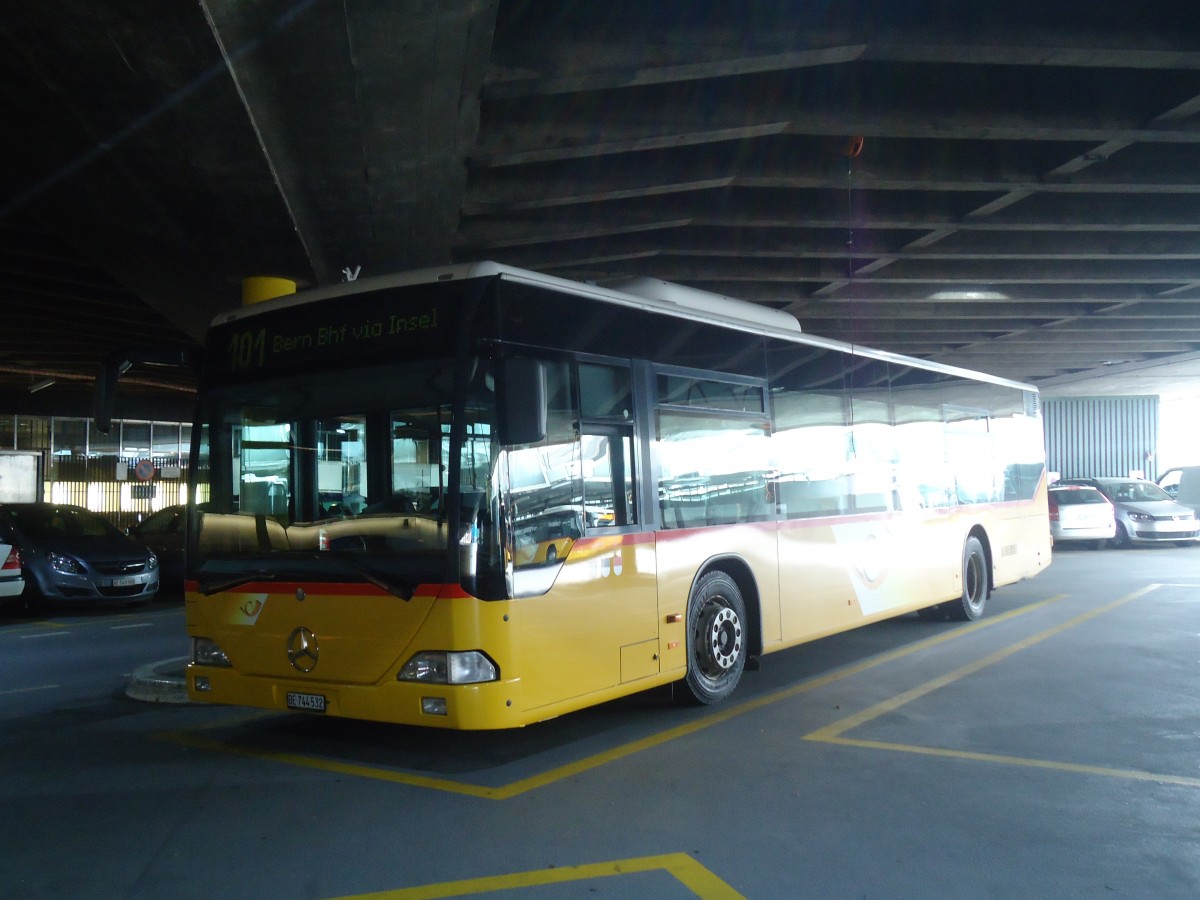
(206, 652)
(442, 667)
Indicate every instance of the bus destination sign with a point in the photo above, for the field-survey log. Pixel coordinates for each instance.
(362, 328)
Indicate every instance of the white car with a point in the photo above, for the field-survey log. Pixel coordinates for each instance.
(12, 582)
(1081, 513)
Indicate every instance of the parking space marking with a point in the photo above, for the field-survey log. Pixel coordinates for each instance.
(699, 880)
(193, 737)
(834, 732)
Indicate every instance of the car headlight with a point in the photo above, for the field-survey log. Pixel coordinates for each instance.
(65, 564)
(1140, 517)
(207, 652)
(443, 667)
(152, 563)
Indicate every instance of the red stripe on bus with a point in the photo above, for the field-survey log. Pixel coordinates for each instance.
(335, 588)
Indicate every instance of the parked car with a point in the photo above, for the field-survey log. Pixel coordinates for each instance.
(163, 533)
(70, 554)
(12, 582)
(1146, 514)
(1081, 513)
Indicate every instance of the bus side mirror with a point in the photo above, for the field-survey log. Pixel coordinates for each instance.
(523, 406)
(104, 398)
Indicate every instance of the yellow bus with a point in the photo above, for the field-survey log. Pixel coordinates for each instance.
(479, 497)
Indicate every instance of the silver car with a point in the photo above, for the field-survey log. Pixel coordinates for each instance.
(71, 554)
(1146, 514)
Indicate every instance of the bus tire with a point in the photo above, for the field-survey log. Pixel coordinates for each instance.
(970, 605)
(716, 638)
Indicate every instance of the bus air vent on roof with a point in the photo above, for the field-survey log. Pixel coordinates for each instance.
(708, 302)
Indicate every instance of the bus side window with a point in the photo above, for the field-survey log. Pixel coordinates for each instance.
(606, 406)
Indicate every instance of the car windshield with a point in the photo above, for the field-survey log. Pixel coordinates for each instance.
(1136, 492)
(40, 522)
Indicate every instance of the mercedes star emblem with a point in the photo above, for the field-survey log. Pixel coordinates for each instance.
(302, 649)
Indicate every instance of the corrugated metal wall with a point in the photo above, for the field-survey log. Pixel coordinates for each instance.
(1101, 436)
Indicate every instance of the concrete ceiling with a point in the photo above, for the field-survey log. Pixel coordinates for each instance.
(1009, 187)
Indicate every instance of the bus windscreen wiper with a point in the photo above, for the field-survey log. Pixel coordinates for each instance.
(403, 590)
(397, 589)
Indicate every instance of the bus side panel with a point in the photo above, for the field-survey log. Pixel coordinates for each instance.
(1021, 545)
(601, 611)
(681, 555)
(816, 588)
(839, 573)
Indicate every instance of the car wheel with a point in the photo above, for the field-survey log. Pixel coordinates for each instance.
(716, 638)
(32, 600)
(1122, 538)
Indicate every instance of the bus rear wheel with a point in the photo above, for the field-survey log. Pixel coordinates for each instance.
(716, 636)
(975, 584)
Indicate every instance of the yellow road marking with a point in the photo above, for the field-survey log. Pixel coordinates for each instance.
(699, 880)
(832, 733)
(190, 737)
(1127, 774)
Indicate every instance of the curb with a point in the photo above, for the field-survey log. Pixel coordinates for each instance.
(159, 682)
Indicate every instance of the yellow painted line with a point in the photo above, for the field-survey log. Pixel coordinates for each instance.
(699, 880)
(835, 729)
(833, 733)
(1127, 774)
(190, 737)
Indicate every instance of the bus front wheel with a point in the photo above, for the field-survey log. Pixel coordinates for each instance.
(716, 636)
(974, 584)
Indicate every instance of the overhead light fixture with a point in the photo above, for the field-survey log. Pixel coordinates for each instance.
(40, 385)
(968, 295)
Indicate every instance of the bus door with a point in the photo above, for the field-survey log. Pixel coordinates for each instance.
(596, 627)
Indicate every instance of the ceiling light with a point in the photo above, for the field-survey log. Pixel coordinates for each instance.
(40, 385)
(968, 295)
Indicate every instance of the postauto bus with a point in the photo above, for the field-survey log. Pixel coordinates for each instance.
(479, 497)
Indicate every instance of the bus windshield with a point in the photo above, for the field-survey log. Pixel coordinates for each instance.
(339, 477)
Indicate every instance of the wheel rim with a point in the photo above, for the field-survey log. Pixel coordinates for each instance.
(719, 638)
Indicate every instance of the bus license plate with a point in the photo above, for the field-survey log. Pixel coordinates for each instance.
(306, 702)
